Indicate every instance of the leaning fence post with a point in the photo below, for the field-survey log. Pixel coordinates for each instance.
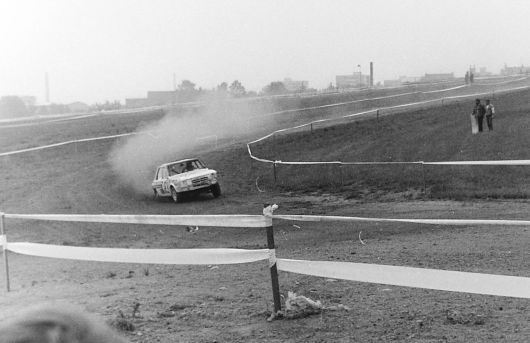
(267, 212)
(423, 176)
(341, 176)
(3, 242)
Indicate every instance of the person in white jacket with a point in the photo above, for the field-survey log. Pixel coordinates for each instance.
(490, 111)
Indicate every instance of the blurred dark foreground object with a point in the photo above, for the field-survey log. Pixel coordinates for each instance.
(57, 324)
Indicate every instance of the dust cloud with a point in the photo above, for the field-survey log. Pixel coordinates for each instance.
(178, 135)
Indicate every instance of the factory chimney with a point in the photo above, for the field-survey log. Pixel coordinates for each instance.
(371, 74)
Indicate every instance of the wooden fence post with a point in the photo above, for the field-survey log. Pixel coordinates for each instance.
(423, 176)
(341, 176)
(274, 171)
(268, 210)
(3, 239)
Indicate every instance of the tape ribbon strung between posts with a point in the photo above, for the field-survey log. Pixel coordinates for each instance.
(392, 275)
(241, 221)
(149, 256)
(488, 284)
(500, 285)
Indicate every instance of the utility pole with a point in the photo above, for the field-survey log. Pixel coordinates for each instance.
(360, 76)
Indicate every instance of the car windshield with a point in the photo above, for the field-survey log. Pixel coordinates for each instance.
(185, 166)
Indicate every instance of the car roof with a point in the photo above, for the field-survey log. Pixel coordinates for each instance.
(179, 161)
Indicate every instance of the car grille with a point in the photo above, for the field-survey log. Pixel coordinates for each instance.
(200, 181)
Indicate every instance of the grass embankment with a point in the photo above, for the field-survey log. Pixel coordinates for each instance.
(435, 134)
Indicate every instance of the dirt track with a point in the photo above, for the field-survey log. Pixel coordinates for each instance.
(231, 303)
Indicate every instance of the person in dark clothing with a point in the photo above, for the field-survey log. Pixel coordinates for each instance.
(490, 111)
(479, 111)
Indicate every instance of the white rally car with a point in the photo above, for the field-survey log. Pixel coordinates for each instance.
(191, 175)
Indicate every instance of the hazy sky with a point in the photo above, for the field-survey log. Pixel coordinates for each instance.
(95, 50)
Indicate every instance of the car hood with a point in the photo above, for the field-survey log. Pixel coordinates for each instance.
(192, 174)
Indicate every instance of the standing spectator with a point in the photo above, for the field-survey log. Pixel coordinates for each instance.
(490, 111)
(479, 111)
(471, 78)
(466, 78)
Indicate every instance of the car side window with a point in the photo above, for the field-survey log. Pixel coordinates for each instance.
(160, 174)
(164, 173)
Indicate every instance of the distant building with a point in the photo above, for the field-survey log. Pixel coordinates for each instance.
(295, 86)
(482, 72)
(409, 79)
(355, 80)
(161, 97)
(392, 83)
(507, 71)
(29, 101)
(154, 98)
(136, 102)
(438, 77)
(78, 107)
(403, 80)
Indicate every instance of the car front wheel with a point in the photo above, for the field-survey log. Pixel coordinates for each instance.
(216, 190)
(174, 195)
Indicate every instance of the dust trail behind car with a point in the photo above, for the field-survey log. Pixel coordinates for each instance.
(174, 137)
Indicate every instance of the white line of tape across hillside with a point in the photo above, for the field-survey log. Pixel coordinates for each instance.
(455, 222)
(333, 105)
(444, 280)
(382, 98)
(150, 256)
(483, 163)
(501, 162)
(240, 220)
(45, 119)
(447, 163)
(65, 143)
(500, 83)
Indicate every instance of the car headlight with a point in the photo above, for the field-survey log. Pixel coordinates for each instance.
(188, 182)
(213, 177)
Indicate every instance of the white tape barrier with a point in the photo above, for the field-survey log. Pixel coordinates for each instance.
(483, 163)
(445, 90)
(500, 285)
(243, 221)
(454, 163)
(65, 143)
(333, 105)
(45, 119)
(454, 222)
(500, 83)
(382, 98)
(151, 256)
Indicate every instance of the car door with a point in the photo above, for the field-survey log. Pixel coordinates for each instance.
(164, 178)
(157, 182)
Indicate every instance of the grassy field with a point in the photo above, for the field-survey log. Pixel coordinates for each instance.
(441, 133)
